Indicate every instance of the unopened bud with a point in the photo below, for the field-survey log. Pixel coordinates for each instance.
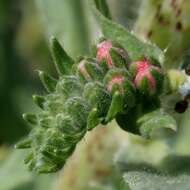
(118, 83)
(148, 78)
(88, 69)
(112, 54)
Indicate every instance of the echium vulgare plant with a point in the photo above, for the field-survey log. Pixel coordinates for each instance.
(123, 79)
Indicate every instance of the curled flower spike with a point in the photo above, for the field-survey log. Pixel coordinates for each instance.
(110, 54)
(90, 92)
(148, 78)
(95, 91)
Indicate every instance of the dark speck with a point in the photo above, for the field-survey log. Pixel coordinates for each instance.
(160, 19)
(179, 26)
(149, 34)
(187, 69)
(181, 106)
(178, 13)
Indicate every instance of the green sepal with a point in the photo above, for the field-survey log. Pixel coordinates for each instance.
(82, 79)
(159, 79)
(58, 158)
(104, 65)
(28, 158)
(69, 86)
(24, 143)
(93, 51)
(62, 60)
(94, 71)
(78, 108)
(98, 97)
(29, 161)
(128, 121)
(30, 118)
(66, 125)
(39, 100)
(118, 60)
(115, 107)
(44, 166)
(93, 120)
(48, 81)
(117, 72)
(133, 70)
(144, 85)
(45, 122)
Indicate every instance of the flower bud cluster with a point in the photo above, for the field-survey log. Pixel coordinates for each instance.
(89, 92)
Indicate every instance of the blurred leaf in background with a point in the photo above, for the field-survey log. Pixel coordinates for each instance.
(11, 126)
(166, 23)
(13, 176)
(66, 20)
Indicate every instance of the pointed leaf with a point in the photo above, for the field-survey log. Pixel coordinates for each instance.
(30, 118)
(48, 81)
(24, 143)
(115, 107)
(152, 165)
(144, 180)
(94, 71)
(118, 60)
(38, 100)
(135, 48)
(93, 119)
(102, 5)
(61, 59)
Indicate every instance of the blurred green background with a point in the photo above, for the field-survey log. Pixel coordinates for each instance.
(25, 28)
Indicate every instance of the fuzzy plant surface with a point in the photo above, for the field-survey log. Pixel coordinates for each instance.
(123, 79)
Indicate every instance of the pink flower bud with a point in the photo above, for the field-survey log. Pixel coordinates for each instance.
(147, 78)
(103, 52)
(112, 54)
(117, 79)
(82, 70)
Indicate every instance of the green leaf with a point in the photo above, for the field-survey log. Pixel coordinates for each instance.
(172, 173)
(102, 5)
(115, 107)
(93, 119)
(152, 165)
(39, 100)
(151, 124)
(48, 81)
(135, 48)
(144, 180)
(30, 118)
(24, 143)
(13, 174)
(61, 59)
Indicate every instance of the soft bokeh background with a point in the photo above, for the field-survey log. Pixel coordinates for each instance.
(25, 27)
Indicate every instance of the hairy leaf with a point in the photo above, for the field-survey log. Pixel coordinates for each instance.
(135, 48)
(153, 165)
(154, 121)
